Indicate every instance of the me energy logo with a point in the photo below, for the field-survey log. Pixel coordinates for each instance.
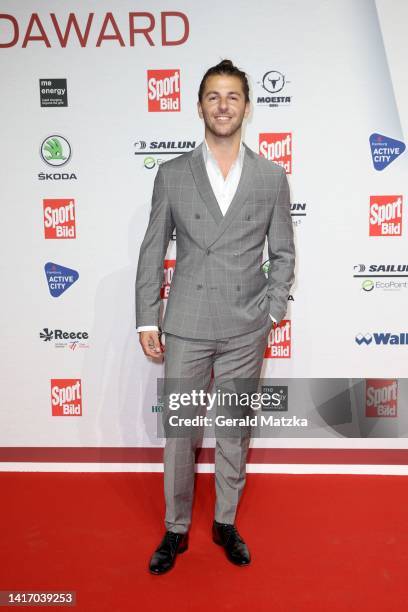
(59, 218)
(384, 150)
(279, 341)
(59, 278)
(55, 150)
(381, 397)
(385, 215)
(53, 92)
(277, 148)
(66, 397)
(168, 271)
(163, 90)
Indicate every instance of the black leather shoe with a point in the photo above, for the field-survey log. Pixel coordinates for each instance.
(165, 554)
(228, 537)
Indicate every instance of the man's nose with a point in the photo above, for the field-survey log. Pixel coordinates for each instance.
(223, 104)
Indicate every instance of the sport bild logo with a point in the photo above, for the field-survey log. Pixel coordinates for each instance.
(381, 397)
(277, 148)
(280, 341)
(66, 397)
(59, 218)
(163, 90)
(382, 338)
(168, 271)
(385, 215)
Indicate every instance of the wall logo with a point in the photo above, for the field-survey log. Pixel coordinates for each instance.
(163, 90)
(66, 397)
(279, 341)
(59, 218)
(169, 267)
(385, 215)
(63, 339)
(381, 397)
(55, 150)
(383, 338)
(277, 148)
(59, 279)
(53, 92)
(384, 150)
(272, 83)
(278, 398)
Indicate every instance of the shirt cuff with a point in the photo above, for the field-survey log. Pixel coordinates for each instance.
(147, 328)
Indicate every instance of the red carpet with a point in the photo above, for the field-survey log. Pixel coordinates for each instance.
(319, 543)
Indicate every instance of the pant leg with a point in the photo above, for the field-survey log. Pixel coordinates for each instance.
(188, 365)
(240, 357)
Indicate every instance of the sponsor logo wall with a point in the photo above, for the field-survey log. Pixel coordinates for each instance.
(109, 95)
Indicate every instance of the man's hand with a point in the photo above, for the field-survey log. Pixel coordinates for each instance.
(151, 344)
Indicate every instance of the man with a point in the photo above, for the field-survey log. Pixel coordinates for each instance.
(223, 200)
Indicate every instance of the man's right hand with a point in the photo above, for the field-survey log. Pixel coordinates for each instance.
(151, 344)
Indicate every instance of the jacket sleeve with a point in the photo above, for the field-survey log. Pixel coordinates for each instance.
(153, 249)
(281, 252)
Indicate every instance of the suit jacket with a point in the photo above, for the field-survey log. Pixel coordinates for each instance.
(218, 288)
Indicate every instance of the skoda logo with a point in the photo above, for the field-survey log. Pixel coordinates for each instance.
(55, 150)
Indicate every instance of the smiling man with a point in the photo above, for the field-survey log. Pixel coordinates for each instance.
(224, 200)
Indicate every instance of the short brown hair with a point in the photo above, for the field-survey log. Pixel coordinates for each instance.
(225, 67)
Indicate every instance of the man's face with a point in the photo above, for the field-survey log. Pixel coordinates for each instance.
(223, 105)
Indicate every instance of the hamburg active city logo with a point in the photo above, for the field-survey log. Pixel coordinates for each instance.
(55, 150)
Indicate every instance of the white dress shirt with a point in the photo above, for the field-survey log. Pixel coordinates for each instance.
(224, 189)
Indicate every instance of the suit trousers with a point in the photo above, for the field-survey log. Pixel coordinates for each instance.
(188, 365)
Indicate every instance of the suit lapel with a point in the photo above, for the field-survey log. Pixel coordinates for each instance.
(203, 184)
(204, 187)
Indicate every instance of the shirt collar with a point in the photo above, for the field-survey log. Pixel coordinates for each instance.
(208, 154)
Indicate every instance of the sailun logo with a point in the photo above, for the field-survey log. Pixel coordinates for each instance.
(384, 338)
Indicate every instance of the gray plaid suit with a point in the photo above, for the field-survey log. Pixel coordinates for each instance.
(217, 314)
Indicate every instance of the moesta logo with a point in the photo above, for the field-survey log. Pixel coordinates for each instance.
(280, 341)
(381, 397)
(385, 215)
(66, 397)
(277, 148)
(163, 90)
(59, 218)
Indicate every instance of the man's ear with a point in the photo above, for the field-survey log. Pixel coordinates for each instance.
(247, 109)
(199, 109)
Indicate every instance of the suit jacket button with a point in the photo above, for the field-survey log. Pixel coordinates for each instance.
(199, 286)
(207, 252)
(238, 287)
(197, 216)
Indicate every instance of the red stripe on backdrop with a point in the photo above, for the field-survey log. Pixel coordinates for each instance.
(359, 456)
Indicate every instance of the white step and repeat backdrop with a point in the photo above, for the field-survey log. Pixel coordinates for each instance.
(94, 97)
